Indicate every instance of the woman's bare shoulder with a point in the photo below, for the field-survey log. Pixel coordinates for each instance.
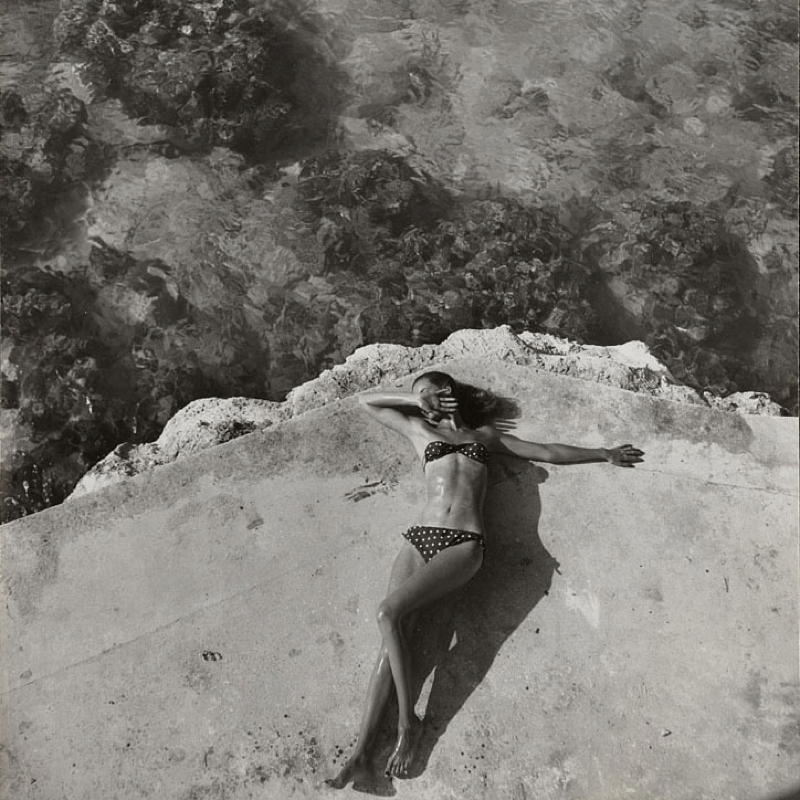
(494, 437)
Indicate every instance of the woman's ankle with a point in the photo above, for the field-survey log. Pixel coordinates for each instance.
(407, 725)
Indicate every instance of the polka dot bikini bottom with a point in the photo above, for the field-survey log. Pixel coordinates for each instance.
(430, 541)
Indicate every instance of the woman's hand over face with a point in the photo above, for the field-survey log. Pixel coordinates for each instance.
(437, 404)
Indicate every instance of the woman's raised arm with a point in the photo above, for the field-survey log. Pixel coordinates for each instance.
(392, 409)
(396, 409)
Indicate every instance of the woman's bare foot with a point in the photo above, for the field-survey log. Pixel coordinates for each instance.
(400, 760)
(357, 767)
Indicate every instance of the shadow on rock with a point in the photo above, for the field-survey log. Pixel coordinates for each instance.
(789, 794)
(460, 638)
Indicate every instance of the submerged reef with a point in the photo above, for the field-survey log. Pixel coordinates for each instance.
(248, 76)
(46, 151)
(437, 263)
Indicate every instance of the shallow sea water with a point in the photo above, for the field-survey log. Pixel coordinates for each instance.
(392, 171)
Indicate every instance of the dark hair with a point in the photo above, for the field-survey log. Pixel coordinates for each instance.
(476, 406)
(441, 380)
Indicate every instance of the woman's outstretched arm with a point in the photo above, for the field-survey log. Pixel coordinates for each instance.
(624, 456)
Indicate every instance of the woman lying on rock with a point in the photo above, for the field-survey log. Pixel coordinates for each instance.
(449, 426)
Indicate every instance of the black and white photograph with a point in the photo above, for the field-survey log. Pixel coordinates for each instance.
(399, 398)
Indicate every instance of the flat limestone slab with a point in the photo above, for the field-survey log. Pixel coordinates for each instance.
(206, 631)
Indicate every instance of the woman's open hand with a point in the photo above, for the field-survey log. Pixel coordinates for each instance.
(435, 405)
(624, 456)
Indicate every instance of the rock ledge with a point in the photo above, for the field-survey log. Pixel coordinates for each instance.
(211, 421)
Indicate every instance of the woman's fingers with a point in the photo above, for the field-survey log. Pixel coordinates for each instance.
(438, 403)
(627, 455)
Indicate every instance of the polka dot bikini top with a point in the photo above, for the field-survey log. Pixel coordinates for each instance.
(474, 450)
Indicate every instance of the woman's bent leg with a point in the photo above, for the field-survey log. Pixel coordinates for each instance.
(358, 764)
(408, 560)
(446, 572)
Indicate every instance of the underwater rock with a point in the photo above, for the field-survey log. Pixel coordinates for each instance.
(45, 150)
(192, 214)
(219, 73)
(694, 281)
(55, 407)
(695, 126)
(238, 254)
(435, 263)
(783, 178)
(381, 66)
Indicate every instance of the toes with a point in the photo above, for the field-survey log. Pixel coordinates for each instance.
(396, 768)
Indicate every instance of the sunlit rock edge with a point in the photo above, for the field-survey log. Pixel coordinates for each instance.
(211, 421)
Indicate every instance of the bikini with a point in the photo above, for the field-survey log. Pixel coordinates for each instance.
(432, 540)
(474, 450)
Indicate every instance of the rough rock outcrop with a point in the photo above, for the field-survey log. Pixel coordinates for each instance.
(208, 422)
(745, 403)
(202, 424)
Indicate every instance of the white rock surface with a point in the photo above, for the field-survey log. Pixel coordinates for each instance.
(205, 630)
(213, 421)
(745, 403)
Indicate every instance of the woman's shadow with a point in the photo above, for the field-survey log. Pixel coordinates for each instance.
(457, 639)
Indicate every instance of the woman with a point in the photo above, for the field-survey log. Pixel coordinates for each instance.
(453, 439)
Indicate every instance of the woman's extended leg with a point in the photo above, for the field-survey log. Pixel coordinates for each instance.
(380, 684)
(446, 572)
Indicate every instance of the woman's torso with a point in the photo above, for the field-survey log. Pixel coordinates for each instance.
(455, 482)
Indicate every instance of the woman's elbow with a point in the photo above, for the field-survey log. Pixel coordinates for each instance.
(546, 455)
